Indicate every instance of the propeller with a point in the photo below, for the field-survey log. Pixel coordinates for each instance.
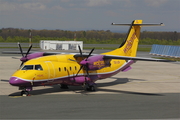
(20, 49)
(84, 65)
(24, 58)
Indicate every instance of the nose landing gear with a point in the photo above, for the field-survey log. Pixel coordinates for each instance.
(25, 91)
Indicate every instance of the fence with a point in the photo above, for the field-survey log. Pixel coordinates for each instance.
(166, 50)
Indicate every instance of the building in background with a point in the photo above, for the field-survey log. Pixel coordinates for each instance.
(60, 45)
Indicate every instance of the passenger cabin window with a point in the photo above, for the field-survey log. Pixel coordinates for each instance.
(27, 67)
(38, 67)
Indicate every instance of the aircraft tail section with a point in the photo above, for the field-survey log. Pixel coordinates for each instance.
(130, 44)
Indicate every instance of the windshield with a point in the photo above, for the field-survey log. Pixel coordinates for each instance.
(38, 67)
(27, 67)
(32, 67)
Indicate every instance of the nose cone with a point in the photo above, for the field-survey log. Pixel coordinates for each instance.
(17, 82)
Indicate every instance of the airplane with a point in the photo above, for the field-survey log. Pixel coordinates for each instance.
(78, 69)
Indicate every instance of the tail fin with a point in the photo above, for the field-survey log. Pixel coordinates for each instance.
(130, 44)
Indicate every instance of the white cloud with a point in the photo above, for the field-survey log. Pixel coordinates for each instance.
(65, 0)
(73, 14)
(34, 6)
(10, 6)
(111, 13)
(5, 6)
(92, 3)
(58, 7)
(155, 3)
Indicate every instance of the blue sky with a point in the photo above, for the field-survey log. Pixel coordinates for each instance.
(88, 14)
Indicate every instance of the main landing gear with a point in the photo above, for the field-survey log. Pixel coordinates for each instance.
(91, 87)
(88, 87)
(64, 86)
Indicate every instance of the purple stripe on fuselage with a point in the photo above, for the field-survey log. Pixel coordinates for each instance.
(109, 74)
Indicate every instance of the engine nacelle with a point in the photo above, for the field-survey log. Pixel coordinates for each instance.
(96, 62)
(32, 56)
(80, 79)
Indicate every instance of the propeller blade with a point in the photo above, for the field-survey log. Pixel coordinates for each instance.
(21, 64)
(90, 54)
(87, 71)
(82, 58)
(15, 58)
(20, 49)
(79, 70)
(85, 66)
(80, 51)
(28, 50)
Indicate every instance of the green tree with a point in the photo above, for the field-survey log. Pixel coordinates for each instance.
(1, 39)
(84, 33)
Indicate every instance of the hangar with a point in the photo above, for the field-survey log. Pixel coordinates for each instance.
(60, 45)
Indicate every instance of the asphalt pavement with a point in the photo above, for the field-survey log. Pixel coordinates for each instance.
(91, 106)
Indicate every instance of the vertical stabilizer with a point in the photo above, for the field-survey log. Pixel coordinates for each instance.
(129, 47)
(130, 44)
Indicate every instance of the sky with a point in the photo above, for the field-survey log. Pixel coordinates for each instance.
(89, 14)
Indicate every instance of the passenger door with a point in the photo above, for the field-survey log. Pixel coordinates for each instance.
(50, 70)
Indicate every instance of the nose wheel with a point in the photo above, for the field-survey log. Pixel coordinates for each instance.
(24, 93)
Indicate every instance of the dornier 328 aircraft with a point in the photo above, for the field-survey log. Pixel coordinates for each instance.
(76, 69)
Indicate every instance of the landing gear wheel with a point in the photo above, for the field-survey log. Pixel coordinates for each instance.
(63, 86)
(91, 88)
(24, 93)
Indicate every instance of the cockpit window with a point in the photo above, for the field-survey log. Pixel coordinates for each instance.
(38, 67)
(32, 67)
(27, 67)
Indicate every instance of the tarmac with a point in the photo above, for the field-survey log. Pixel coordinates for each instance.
(151, 90)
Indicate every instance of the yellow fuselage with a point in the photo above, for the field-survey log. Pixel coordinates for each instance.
(58, 69)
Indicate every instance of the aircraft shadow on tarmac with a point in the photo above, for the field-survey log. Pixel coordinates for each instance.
(79, 89)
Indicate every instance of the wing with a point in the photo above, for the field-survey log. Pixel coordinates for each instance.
(16, 52)
(135, 58)
(46, 53)
(77, 55)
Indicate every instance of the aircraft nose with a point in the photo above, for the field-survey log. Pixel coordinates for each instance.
(13, 81)
(16, 81)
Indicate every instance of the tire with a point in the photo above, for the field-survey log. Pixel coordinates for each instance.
(91, 88)
(24, 93)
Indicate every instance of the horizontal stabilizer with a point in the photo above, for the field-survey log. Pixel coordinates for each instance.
(161, 24)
